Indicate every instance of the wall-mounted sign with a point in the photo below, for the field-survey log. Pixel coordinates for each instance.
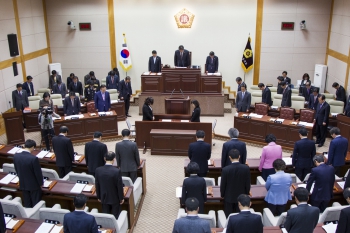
(287, 26)
(184, 19)
(85, 26)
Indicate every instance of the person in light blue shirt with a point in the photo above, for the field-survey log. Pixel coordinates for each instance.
(278, 188)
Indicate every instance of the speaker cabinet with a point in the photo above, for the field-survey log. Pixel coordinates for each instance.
(13, 45)
(15, 70)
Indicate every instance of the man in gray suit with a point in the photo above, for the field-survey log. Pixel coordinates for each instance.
(54, 78)
(59, 88)
(19, 98)
(192, 223)
(243, 99)
(128, 158)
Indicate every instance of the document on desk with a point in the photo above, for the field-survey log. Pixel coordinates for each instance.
(7, 219)
(114, 101)
(77, 157)
(13, 150)
(178, 192)
(15, 180)
(78, 188)
(48, 155)
(185, 120)
(284, 230)
(341, 184)
(166, 120)
(309, 125)
(102, 231)
(42, 154)
(104, 113)
(88, 188)
(47, 183)
(210, 73)
(304, 186)
(218, 74)
(11, 224)
(303, 123)
(7, 179)
(279, 120)
(146, 73)
(288, 161)
(56, 229)
(45, 228)
(330, 228)
(325, 155)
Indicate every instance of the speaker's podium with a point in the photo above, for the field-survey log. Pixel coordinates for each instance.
(177, 105)
(14, 129)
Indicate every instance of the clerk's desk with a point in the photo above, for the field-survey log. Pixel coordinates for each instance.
(31, 225)
(60, 194)
(77, 167)
(318, 229)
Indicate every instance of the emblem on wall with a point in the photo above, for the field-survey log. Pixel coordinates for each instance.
(184, 19)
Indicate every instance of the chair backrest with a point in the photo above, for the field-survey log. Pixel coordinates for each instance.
(295, 92)
(277, 100)
(103, 81)
(328, 96)
(256, 97)
(254, 88)
(52, 214)
(261, 108)
(273, 91)
(206, 217)
(34, 102)
(90, 106)
(113, 93)
(127, 181)
(282, 219)
(8, 167)
(209, 181)
(295, 179)
(13, 207)
(106, 220)
(57, 100)
(81, 177)
(41, 91)
(298, 102)
(49, 173)
(307, 115)
(331, 214)
(287, 113)
(336, 106)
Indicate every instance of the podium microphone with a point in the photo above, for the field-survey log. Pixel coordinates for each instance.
(182, 94)
(172, 93)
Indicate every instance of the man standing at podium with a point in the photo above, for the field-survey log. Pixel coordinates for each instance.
(212, 63)
(182, 57)
(154, 63)
(19, 98)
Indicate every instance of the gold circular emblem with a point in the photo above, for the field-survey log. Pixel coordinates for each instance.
(248, 53)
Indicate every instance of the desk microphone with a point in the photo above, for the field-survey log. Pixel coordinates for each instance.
(172, 93)
(182, 94)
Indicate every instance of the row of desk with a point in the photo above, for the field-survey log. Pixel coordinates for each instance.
(318, 229)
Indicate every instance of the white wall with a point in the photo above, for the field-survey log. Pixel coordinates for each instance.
(296, 51)
(221, 26)
(339, 42)
(79, 52)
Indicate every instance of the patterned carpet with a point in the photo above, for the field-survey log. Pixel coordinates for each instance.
(165, 173)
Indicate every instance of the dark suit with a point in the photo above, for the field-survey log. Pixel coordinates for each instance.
(102, 105)
(323, 176)
(288, 80)
(341, 95)
(28, 169)
(147, 113)
(302, 219)
(196, 113)
(63, 148)
(200, 152)
(233, 144)
(279, 88)
(243, 102)
(112, 84)
(68, 108)
(62, 90)
(239, 87)
(212, 64)
(69, 81)
(313, 103)
(266, 96)
(79, 221)
(89, 93)
(20, 100)
(109, 189)
(52, 80)
(287, 97)
(337, 151)
(244, 222)
(191, 224)
(29, 87)
(95, 81)
(306, 93)
(2, 221)
(347, 182)
(304, 151)
(347, 108)
(344, 221)
(182, 61)
(94, 155)
(322, 115)
(235, 180)
(128, 158)
(194, 186)
(76, 88)
(154, 66)
(125, 91)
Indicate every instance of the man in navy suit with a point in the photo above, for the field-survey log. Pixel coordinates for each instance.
(340, 93)
(321, 120)
(304, 218)
(29, 173)
(313, 100)
(102, 100)
(78, 220)
(71, 105)
(323, 176)
(286, 95)
(337, 150)
(245, 221)
(182, 57)
(234, 143)
(266, 94)
(59, 88)
(307, 91)
(200, 152)
(212, 63)
(303, 153)
(112, 81)
(286, 79)
(243, 100)
(76, 86)
(344, 219)
(125, 92)
(28, 86)
(154, 63)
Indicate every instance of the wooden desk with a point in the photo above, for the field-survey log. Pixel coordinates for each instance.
(171, 142)
(173, 117)
(60, 194)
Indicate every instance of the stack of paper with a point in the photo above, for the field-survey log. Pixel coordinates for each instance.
(146, 73)
(48, 155)
(185, 120)
(78, 188)
(325, 155)
(159, 73)
(309, 125)
(280, 120)
(11, 224)
(288, 161)
(7, 179)
(13, 150)
(210, 73)
(274, 107)
(303, 123)
(166, 120)
(341, 184)
(330, 228)
(114, 101)
(217, 74)
(7, 219)
(47, 183)
(42, 154)
(88, 188)
(45, 228)
(15, 180)
(178, 192)
(334, 114)
(77, 157)
(56, 229)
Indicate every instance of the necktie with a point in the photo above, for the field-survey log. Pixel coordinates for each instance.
(181, 55)
(212, 60)
(284, 90)
(59, 87)
(314, 99)
(112, 79)
(126, 84)
(243, 95)
(103, 96)
(154, 60)
(72, 102)
(20, 93)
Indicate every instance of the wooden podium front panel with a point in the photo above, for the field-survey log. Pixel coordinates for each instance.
(211, 85)
(161, 144)
(109, 125)
(279, 131)
(258, 130)
(242, 125)
(177, 106)
(76, 128)
(119, 108)
(181, 143)
(172, 82)
(151, 83)
(31, 120)
(190, 83)
(14, 127)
